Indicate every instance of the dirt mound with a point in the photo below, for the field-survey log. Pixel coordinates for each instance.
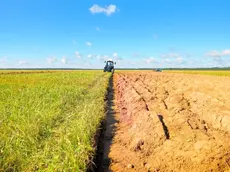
(171, 122)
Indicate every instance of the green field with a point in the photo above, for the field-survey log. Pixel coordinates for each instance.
(202, 72)
(48, 120)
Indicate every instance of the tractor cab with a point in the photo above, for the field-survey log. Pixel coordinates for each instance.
(109, 66)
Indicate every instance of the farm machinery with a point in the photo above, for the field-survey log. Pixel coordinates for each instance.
(109, 66)
(157, 70)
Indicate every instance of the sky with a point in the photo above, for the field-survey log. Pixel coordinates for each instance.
(135, 34)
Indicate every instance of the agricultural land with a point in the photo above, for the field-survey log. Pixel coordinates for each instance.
(175, 120)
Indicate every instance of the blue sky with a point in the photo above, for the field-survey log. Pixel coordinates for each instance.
(147, 33)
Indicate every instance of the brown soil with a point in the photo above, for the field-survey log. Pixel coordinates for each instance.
(170, 122)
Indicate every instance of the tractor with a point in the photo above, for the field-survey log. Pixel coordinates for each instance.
(157, 70)
(109, 66)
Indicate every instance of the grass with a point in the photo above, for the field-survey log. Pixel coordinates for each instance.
(48, 120)
(202, 72)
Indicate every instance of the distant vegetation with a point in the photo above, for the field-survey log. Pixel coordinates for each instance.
(203, 72)
(210, 69)
(39, 69)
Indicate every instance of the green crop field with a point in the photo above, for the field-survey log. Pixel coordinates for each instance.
(48, 120)
(202, 72)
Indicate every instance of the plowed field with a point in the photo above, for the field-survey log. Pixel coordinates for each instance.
(170, 122)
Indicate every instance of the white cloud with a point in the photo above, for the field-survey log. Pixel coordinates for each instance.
(218, 54)
(115, 55)
(94, 56)
(63, 60)
(3, 59)
(88, 65)
(171, 55)
(90, 56)
(226, 53)
(132, 63)
(214, 53)
(108, 10)
(179, 60)
(150, 60)
(78, 55)
(22, 62)
(167, 60)
(174, 58)
(89, 44)
(98, 57)
(103, 58)
(51, 60)
(217, 58)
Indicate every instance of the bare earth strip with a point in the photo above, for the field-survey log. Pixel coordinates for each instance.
(171, 122)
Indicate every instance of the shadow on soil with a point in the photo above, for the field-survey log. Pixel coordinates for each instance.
(108, 128)
(165, 128)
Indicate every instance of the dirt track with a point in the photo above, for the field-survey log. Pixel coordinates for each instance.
(171, 122)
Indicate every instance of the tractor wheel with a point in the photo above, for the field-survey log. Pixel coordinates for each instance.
(113, 70)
